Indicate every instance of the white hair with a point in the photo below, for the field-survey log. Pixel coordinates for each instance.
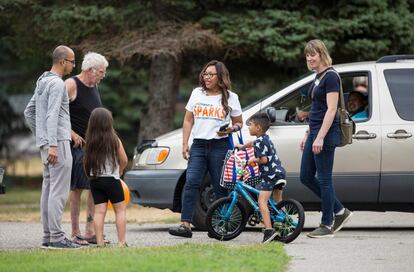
(93, 60)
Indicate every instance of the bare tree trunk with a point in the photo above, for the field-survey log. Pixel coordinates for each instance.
(158, 115)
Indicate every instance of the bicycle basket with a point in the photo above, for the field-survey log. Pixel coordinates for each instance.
(229, 185)
(229, 176)
(253, 181)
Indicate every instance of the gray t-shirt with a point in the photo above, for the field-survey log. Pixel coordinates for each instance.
(47, 113)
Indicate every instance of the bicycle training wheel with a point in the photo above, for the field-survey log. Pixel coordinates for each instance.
(218, 226)
(293, 222)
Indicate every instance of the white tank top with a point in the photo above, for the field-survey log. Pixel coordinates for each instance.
(108, 171)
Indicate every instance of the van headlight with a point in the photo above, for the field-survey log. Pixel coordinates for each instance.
(154, 156)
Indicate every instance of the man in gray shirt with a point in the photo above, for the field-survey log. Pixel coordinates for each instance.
(48, 117)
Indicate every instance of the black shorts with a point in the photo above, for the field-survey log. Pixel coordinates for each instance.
(78, 180)
(107, 188)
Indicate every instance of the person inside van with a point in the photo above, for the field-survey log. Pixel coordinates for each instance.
(356, 104)
(360, 84)
(357, 101)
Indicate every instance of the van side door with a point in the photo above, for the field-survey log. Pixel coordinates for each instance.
(357, 166)
(397, 114)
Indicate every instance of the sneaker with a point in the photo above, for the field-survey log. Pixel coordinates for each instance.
(64, 244)
(321, 232)
(44, 246)
(340, 220)
(269, 235)
(182, 231)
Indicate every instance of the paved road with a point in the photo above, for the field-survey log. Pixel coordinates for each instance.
(370, 242)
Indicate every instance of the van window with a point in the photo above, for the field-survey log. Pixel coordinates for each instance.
(357, 89)
(400, 83)
(287, 108)
(294, 108)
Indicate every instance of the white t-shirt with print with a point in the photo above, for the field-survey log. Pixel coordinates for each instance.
(209, 114)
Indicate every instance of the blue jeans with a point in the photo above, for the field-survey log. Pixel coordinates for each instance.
(322, 165)
(205, 155)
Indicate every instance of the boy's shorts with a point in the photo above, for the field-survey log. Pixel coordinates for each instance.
(274, 184)
(107, 188)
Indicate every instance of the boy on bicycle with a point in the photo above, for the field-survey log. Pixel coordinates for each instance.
(271, 171)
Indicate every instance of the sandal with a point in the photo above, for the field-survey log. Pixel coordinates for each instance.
(80, 240)
(92, 240)
(123, 245)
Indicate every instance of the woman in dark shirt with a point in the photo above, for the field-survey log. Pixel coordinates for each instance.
(321, 138)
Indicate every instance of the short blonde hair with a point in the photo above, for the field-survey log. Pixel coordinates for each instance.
(317, 46)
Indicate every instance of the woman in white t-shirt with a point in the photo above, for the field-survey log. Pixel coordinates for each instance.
(210, 107)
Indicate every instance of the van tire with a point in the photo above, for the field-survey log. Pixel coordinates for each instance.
(205, 199)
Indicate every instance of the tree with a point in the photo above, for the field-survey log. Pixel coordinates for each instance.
(163, 36)
(164, 45)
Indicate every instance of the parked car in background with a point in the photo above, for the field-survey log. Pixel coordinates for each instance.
(374, 173)
(2, 186)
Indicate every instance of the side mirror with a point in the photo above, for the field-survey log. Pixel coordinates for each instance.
(281, 115)
(277, 115)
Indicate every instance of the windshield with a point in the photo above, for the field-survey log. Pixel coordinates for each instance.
(272, 93)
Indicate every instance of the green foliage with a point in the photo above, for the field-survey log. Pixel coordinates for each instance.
(124, 92)
(38, 27)
(185, 257)
(263, 41)
(275, 35)
(357, 30)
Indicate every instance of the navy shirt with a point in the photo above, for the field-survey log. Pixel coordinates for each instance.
(273, 169)
(320, 88)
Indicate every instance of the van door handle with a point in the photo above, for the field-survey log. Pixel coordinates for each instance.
(400, 134)
(364, 135)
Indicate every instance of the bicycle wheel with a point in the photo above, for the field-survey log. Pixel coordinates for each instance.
(218, 226)
(293, 222)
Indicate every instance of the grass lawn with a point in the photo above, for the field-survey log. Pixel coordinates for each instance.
(187, 257)
(22, 204)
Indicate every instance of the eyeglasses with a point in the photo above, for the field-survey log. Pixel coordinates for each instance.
(71, 61)
(209, 75)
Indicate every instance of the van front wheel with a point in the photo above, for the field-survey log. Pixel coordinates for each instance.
(206, 198)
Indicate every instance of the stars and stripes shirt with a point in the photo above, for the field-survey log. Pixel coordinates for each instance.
(273, 169)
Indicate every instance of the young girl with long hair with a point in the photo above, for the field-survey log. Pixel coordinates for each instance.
(104, 162)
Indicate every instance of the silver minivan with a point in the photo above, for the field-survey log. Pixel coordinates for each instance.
(375, 172)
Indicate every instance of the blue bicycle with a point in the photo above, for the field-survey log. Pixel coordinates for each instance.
(227, 217)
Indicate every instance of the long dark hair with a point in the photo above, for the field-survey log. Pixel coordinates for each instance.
(101, 142)
(224, 82)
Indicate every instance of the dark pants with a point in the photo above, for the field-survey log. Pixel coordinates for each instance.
(205, 155)
(322, 165)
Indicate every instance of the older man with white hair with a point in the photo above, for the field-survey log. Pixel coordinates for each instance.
(84, 98)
